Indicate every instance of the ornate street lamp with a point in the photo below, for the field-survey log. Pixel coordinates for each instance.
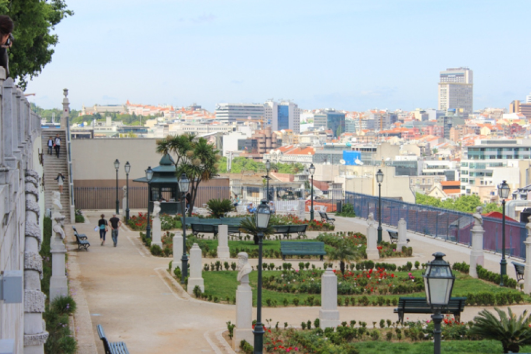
(184, 185)
(439, 282)
(127, 170)
(149, 176)
(117, 166)
(268, 166)
(503, 193)
(311, 169)
(262, 216)
(379, 179)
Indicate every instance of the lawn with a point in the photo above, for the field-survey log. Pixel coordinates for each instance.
(223, 284)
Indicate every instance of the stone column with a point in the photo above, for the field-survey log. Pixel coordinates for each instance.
(402, 234)
(527, 271)
(177, 252)
(328, 313)
(124, 200)
(35, 334)
(196, 270)
(477, 255)
(223, 242)
(372, 239)
(8, 122)
(244, 304)
(155, 228)
(58, 281)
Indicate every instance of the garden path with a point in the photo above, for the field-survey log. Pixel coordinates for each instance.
(129, 292)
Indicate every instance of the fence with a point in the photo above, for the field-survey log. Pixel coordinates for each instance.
(442, 223)
(105, 197)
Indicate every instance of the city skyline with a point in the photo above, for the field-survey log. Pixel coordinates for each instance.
(345, 55)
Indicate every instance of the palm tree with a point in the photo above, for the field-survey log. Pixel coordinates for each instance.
(344, 253)
(248, 226)
(511, 332)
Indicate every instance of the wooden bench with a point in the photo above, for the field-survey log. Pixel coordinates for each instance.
(82, 243)
(393, 236)
(302, 249)
(419, 305)
(519, 268)
(286, 230)
(204, 229)
(81, 236)
(111, 347)
(325, 218)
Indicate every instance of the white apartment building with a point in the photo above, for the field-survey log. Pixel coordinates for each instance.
(489, 162)
(234, 112)
(283, 115)
(456, 90)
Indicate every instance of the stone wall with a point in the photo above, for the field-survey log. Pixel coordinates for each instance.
(19, 138)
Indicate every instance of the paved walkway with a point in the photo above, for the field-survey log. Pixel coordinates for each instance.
(130, 293)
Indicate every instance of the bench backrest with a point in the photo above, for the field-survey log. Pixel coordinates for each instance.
(302, 246)
(281, 228)
(457, 303)
(392, 233)
(104, 339)
(297, 228)
(520, 267)
(231, 221)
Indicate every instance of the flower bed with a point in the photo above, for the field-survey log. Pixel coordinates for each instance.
(167, 222)
(358, 240)
(313, 225)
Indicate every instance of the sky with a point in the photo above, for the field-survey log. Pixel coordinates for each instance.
(343, 54)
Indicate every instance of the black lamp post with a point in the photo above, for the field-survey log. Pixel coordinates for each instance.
(503, 193)
(439, 282)
(127, 170)
(117, 166)
(262, 216)
(268, 166)
(379, 179)
(149, 176)
(311, 169)
(184, 184)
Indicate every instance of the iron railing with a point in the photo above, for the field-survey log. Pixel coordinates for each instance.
(442, 223)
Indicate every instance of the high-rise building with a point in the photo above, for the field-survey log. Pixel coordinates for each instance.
(456, 90)
(335, 121)
(283, 115)
(232, 112)
(517, 107)
(528, 98)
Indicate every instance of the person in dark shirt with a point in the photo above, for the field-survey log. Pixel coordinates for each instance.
(102, 224)
(115, 225)
(6, 41)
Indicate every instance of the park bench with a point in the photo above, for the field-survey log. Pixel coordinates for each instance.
(302, 249)
(81, 236)
(325, 218)
(393, 236)
(204, 229)
(82, 243)
(419, 305)
(111, 347)
(519, 269)
(286, 230)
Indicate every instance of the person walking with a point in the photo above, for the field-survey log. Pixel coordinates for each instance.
(60, 179)
(6, 41)
(115, 225)
(188, 200)
(50, 146)
(57, 144)
(102, 224)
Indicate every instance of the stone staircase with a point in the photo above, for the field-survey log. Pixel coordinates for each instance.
(54, 166)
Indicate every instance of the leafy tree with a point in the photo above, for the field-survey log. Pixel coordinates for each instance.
(465, 203)
(248, 226)
(241, 164)
(32, 48)
(197, 159)
(512, 332)
(344, 253)
(490, 207)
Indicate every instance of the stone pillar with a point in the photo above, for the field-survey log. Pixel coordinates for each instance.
(177, 252)
(66, 110)
(196, 270)
(477, 255)
(155, 228)
(7, 123)
(328, 313)
(372, 239)
(244, 304)
(124, 200)
(35, 334)
(527, 271)
(402, 234)
(58, 281)
(223, 242)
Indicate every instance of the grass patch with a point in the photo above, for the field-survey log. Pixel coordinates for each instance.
(461, 347)
(223, 284)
